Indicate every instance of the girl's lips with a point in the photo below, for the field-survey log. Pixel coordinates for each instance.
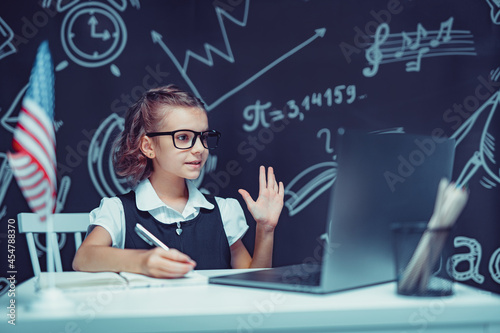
(194, 163)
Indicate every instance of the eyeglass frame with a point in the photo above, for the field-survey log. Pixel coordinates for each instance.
(193, 141)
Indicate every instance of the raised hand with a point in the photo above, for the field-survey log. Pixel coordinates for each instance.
(267, 209)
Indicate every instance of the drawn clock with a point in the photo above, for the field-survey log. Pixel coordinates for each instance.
(93, 35)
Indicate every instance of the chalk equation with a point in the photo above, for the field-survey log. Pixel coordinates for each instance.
(412, 47)
(263, 114)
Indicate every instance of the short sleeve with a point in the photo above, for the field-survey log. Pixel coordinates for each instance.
(233, 218)
(110, 216)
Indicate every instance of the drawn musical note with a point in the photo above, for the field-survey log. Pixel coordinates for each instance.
(421, 32)
(406, 43)
(414, 44)
(373, 53)
(445, 26)
(414, 66)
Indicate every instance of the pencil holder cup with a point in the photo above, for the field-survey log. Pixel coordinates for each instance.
(420, 260)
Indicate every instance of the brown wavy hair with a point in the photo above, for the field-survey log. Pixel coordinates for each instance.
(144, 116)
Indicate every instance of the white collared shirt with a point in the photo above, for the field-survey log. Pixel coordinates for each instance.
(110, 214)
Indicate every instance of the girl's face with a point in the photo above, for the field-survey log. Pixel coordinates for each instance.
(169, 161)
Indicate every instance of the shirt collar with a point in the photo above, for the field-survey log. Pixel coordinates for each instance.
(147, 199)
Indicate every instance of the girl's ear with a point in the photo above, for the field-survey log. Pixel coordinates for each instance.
(147, 147)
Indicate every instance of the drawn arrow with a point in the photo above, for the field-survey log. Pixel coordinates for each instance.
(158, 38)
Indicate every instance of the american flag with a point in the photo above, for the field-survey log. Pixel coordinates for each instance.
(34, 160)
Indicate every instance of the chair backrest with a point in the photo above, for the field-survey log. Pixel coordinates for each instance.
(30, 224)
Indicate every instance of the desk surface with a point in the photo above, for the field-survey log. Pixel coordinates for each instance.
(217, 308)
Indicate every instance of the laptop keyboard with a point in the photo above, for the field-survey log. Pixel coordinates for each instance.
(303, 274)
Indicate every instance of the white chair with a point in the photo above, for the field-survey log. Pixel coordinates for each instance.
(30, 224)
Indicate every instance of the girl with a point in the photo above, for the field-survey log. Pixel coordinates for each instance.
(163, 146)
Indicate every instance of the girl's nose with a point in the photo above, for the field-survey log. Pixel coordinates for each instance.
(198, 146)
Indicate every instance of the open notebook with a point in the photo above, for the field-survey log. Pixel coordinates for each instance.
(84, 281)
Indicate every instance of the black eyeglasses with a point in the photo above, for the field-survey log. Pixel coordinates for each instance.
(185, 139)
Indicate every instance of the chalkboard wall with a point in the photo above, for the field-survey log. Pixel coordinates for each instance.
(279, 78)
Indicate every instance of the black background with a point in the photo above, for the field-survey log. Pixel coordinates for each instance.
(92, 97)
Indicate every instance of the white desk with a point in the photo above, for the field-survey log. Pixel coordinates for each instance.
(217, 308)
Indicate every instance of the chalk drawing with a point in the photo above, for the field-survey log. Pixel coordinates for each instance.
(412, 47)
(106, 43)
(226, 54)
(6, 37)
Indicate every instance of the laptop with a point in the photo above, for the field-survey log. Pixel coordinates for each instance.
(381, 179)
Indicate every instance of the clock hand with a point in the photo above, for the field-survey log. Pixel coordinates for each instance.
(93, 22)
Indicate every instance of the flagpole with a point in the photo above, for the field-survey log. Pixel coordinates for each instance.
(49, 240)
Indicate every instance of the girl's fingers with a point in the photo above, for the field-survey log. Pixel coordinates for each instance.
(176, 255)
(277, 185)
(246, 196)
(173, 269)
(168, 264)
(262, 178)
(271, 179)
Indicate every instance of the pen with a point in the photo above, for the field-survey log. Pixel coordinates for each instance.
(149, 237)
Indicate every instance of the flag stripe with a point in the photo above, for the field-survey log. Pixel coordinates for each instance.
(36, 197)
(37, 156)
(38, 131)
(31, 138)
(33, 108)
(34, 192)
(39, 208)
(44, 200)
(22, 163)
(26, 173)
(29, 183)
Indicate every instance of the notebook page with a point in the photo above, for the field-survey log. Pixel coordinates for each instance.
(143, 281)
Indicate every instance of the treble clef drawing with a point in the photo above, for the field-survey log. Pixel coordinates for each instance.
(373, 53)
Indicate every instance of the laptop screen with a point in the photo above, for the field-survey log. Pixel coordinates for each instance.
(381, 179)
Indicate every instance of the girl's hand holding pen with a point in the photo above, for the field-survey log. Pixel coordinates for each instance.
(160, 263)
(267, 209)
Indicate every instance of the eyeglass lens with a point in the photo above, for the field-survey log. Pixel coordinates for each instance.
(186, 139)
